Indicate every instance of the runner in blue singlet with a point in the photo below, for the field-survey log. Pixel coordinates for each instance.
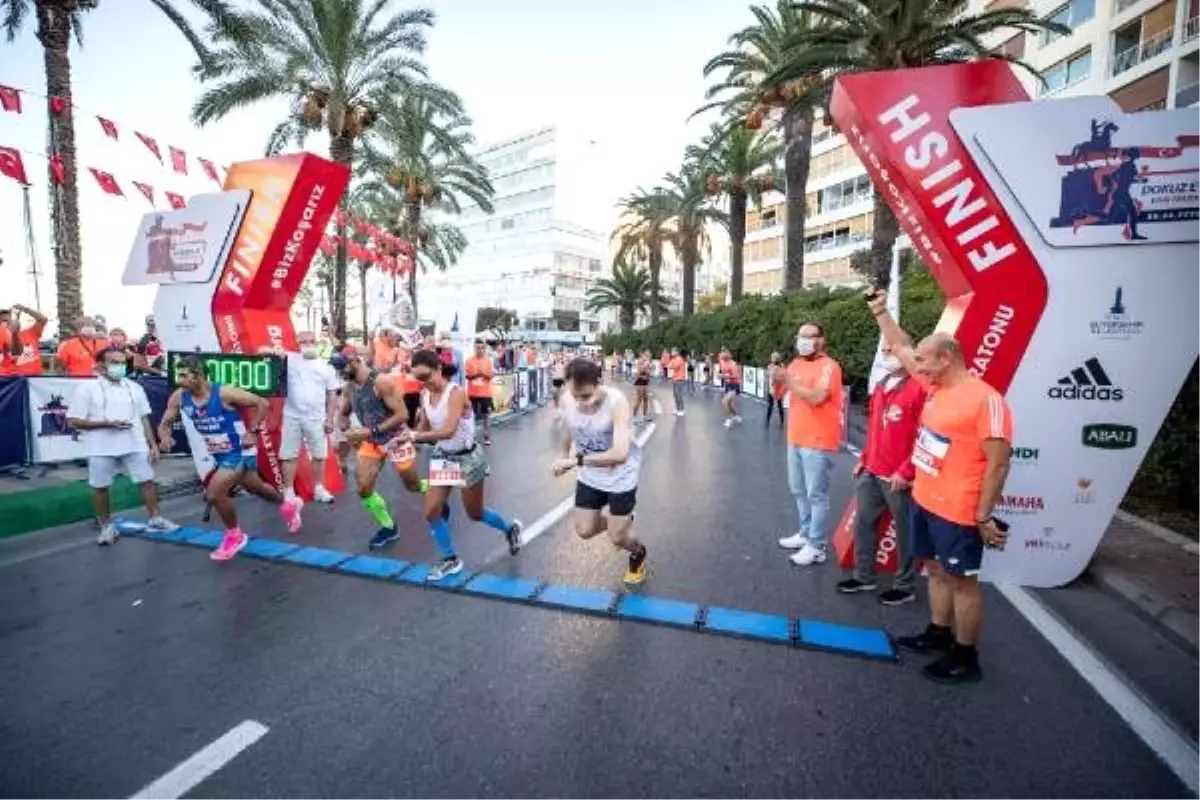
(215, 412)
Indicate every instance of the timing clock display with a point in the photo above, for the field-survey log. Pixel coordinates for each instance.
(262, 374)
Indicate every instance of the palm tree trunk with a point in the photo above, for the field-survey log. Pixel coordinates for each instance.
(655, 286)
(885, 231)
(412, 221)
(626, 316)
(341, 150)
(737, 242)
(688, 258)
(54, 33)
(797, 135)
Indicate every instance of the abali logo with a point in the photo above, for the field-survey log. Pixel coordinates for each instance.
(1109, 436)
(1089, 382)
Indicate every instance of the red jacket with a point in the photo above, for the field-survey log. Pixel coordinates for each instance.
(892, 428)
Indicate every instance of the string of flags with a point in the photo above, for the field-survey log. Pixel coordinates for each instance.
(13, 165)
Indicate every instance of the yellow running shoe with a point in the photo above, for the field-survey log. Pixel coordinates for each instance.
(636, 573)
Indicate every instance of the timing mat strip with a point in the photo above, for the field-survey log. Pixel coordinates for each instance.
(873, 643)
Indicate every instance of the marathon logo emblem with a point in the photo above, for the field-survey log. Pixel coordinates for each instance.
(1089, 382)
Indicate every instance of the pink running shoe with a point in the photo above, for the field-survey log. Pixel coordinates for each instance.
(231, 545)
(290, 511)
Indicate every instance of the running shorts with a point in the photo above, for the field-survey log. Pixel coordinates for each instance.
(556, 383)
(481, 406)
(957, 548)
(733, 388)
(641, 382)
(620, 504)
(236, 460)
(474, 466)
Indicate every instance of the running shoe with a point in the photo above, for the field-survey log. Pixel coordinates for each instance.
(958, 665)
(896, 597)
(636, 573)
(445, 568)
(290, 511)
(854, 585)
(231, 545)
(933, 639)
(160, 525)
(793, 542)
(513, 537)
(487, 440)
(808, 555)
(322, 495)
(108, 534)
(383, 537)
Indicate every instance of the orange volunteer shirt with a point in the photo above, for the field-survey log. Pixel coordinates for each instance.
(949, 452)
(78, 358)
(731, 372)
(30, 360)
(385, 356)
(678, 368)
(817, 427)
(481, 384)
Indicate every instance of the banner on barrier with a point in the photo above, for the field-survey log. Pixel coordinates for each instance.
(52, 439)
(503, 388)
(522, 396)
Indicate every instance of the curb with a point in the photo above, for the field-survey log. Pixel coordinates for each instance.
(1177, 624)
(1159, 532)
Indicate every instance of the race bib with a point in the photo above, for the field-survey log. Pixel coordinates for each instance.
(218, 443)
(401, 452)
(443, 472)
(930, 451)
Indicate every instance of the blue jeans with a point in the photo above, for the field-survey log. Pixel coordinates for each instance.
(809, 472)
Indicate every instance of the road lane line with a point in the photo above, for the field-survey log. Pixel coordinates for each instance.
(1150, 725)
(190, 773)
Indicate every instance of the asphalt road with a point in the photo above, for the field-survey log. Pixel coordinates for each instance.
(117, 664)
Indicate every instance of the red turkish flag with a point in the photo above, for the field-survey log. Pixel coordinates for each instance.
(10, 99)
(151, 145)
(57, 169)
(107, 182)
(58, 104)
(176, 200)
(146, 189)
(109, 127)
(178, 160)
(209, 169)
(12, 165)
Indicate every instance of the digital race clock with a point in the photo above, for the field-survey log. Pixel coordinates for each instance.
(263, 374)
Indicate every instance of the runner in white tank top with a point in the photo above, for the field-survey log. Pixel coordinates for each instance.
(449, 424)
(598, 441)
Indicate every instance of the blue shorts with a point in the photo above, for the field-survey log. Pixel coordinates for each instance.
(733, 388)
(958, 548)
(236, 461)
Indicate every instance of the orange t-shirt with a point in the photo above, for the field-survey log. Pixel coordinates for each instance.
(817, 427)
(778, 378)
(678, 368)
(385, 356)
(78, 357)
(949, 452)
(29, 362)
(731, 372)
(481, 384)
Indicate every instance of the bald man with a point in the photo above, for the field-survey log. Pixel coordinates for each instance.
(961, 455)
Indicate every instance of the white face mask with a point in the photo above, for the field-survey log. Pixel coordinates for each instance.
(891, 363)
(88, 331)
(805, 346)
(308, 350)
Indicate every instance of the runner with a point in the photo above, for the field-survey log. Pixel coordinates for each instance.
(641, 386)
(479, 388)
(382, 421)
(664, 359)
(707, 371)
(777, 388)
(691, 372)
(558, 375)
(215, 412)
(598, 428)
(677, 371)
(456, 461)
(731, 379)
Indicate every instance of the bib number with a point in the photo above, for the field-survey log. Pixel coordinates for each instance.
(219, 443)
(401, 453)
(443, 472)
(930, 451)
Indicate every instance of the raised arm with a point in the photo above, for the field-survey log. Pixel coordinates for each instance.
(893, 334)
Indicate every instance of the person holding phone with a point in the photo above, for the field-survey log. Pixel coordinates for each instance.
(962, 451)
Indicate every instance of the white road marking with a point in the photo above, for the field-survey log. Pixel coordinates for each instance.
(1150, 725)
(190, 773)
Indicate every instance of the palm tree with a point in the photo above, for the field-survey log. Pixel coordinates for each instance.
(748, 86)
(630, 290)
(739, 163)
(338, 62)
(864, 35)
(420, 152)
(643, 233)
(686, 196)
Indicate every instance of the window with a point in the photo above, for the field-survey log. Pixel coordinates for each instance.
(1067, 72)
(1073, 14)
(1014, 47)
(508, 223)
(768, 218)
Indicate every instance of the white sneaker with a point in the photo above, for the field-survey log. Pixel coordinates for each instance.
(729, 423)
(679, 413)
(322, 495)
(809, 555)
(737, 418)
(108, 534)
(794, 542)
(160, 525)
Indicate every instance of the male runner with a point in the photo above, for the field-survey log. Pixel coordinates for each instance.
(597, 426)
(776, 387)
(382, 419)
(215, 412)
(479, 388)
(677, 371)
(558, 375)
(731, 378)
(456, 461)
(641, 385)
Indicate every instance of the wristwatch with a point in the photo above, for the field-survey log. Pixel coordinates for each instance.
(579, 459)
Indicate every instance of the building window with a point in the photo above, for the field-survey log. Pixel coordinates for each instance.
(768, 218)
(1013, 48)
(1069, 71)
(508, 223)
(1072, 14)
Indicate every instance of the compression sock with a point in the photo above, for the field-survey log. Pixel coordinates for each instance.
(440, 530)
(376, 506)
(491, 517)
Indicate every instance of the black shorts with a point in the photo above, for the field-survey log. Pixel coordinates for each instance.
(412, 402)
(958, 548)
(556, 383)
(482, 406)
(641, 382)
(620, 504)
(733, 388)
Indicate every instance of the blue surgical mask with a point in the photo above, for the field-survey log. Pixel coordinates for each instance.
(114, 371)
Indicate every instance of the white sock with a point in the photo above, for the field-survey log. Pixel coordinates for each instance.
(319, 489)
(289, 493)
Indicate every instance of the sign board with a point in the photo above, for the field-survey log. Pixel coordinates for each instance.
(262, 374)
(185, 245)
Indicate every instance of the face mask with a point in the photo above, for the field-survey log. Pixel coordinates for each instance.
(88, 331)
(805, 346)
(308, 350)
(114, 371)
(891, 363)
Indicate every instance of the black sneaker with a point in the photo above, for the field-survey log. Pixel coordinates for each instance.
(933, 639)
(513, 537)
(854, 585)
(896, 597)
(955, 667)
(383, 537)
(445, 568)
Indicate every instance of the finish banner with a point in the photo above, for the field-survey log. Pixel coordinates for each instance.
(1026, 214)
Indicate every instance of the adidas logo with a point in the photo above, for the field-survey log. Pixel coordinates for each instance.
(1089, 382)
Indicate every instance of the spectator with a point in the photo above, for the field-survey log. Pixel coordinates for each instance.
(479, 374)
(450, 354)
(153, 357)
(113, 416)
(20, 350)
(307, 417)
(77, 353)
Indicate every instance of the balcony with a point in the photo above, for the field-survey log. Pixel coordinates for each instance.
(1121, 5)
(1129, 58)
(1191, 28)
(1187, 96)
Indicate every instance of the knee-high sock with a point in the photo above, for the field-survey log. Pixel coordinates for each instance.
(492, 518)
(440, 530)
(376, 506)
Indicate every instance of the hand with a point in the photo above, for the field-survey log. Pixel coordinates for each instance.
(877, 303)
(166, 443)
(562, 466)
(119, 424)
(992, 536)
(153, 454)
(858, 468)
(898, 483)
(328, 426)
(357, 435)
